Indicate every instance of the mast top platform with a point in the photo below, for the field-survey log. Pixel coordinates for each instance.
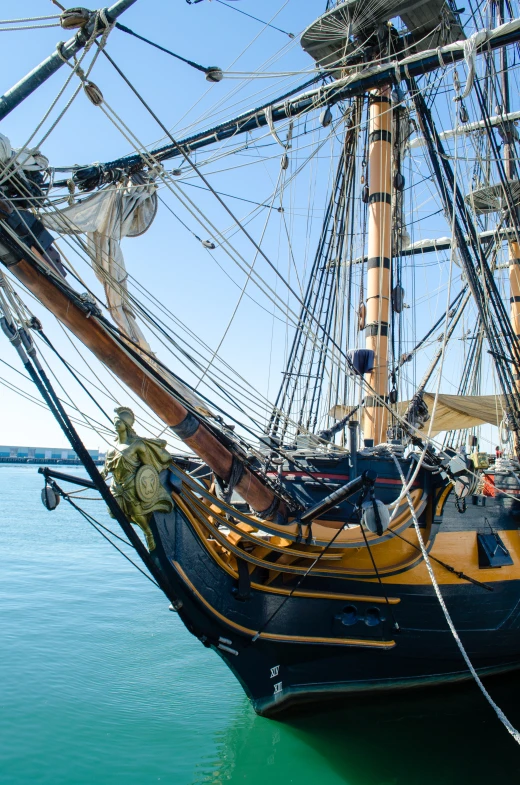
(493, 198)
(334, 37)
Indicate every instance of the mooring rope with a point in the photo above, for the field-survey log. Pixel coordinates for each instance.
(498, 711)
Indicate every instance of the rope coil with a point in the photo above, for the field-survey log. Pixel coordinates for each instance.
(471, 45)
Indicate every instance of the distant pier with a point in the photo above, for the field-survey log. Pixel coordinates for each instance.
(64, 456)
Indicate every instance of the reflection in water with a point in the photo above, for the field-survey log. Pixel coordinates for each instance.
(449, 736)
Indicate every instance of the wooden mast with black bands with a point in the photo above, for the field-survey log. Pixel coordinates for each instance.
(379, 259)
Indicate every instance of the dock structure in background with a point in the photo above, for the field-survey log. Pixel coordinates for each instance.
(16, 454)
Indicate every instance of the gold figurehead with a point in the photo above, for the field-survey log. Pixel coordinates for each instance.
(135, 464)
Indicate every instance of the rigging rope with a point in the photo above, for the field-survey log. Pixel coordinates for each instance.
(66, 364)
(98, 526)
(220, 388)
(341, 353)
(242, 293)
(9, 171)
(267, 24)
(22, 342)
(500, 714)
(204, 69)
(32, 399)
(203, 178)
(26, 27)
(153, 371)
(29, 19)
(471, 45)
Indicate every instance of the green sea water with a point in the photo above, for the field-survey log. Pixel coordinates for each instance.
(101, 684)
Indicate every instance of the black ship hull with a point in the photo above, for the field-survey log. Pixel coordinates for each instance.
(342, 635)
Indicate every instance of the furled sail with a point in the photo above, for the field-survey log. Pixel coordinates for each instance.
(452, 413)
(122, 210)
(27, 159)
(457, 412)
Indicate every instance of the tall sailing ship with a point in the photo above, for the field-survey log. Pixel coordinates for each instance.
(356, 532)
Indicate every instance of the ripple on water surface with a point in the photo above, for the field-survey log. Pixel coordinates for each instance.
(100, 684)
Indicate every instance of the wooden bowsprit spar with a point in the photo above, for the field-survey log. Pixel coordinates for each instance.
(119, 355)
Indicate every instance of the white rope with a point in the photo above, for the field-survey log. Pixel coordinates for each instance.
(248, 278)
(9, 171)
(500, 714)
(268, 111)
(199, 365)
(32, 399)
(408, 485)
(243, 264)
(28, 19)
(224, 102)
(162, 174)
(471, 45)
(27, 27)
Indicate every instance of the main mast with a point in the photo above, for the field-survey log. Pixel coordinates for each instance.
(379, 260)
(370, 37)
